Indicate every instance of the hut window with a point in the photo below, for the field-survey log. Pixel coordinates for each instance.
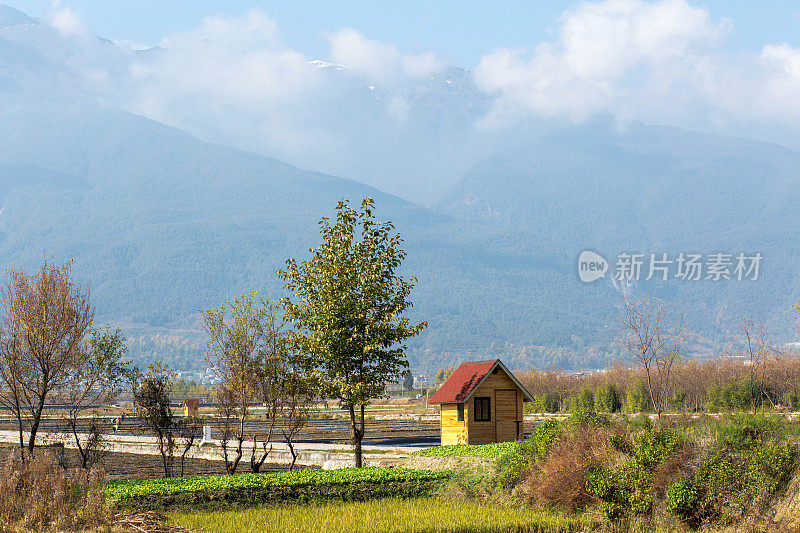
(482, 410)
(461, 412)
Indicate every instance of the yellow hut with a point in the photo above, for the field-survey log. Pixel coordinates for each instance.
(191, 408)
(481, 402)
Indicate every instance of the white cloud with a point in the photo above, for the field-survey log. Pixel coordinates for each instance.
(228, 72)
(382, 61)
(66, 21)
(780, 97)
(233, 81)
(625, 57)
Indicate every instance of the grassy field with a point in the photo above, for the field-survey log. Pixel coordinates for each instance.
(492, 451)
(306, 486)
(425, 515)
(147, 487)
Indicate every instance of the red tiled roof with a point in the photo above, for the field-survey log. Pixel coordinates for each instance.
(191, 403)
(462, 382)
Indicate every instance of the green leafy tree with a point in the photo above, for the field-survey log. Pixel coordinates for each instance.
(606, 398)
(348, 309)
(545, 403)
(408, 381)
(637, 399)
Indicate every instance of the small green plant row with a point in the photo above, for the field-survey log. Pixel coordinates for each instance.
(493, 451)
(152, 487)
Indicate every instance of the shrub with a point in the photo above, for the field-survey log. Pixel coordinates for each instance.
(606, 399)
(731, 483)
(683, 498)
(38, 494)
(587, 418)
(737, 395)
(677, 465)
(677, 401)
(743, 431)
(641, 422)
(581, 402)
(545, 403)
(628, 488)
(792, 398)
(637, 399)
(560, 479)
(513, 464)
(750, 461)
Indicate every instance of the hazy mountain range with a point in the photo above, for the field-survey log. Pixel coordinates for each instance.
(162, 224)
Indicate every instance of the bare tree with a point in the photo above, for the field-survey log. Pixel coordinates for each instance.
(153, 402)
(284, 387)
(233, 413)
(233, 350)
(298, 399)
(187, 430)
(757, 347)
(656, 344)
(98, 377)
(271, 378)
(45, 319)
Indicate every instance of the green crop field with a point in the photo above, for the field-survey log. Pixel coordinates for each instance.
(153, 487)
(492, 451)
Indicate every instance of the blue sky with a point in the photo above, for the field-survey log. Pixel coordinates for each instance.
(461, 32)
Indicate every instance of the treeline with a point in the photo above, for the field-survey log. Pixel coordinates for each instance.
(725, 384)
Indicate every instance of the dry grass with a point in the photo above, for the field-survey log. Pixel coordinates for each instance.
(386, 516)
(147, 522)
(560, 480)
(39, 495)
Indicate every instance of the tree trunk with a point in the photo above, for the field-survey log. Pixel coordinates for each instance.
(653, 399)
(37, 417)
(294, 454)
(183, 455)
(83, 453)
(231, 467)
(21, 434)
(163, 453)
(255, 465)
(358, 433)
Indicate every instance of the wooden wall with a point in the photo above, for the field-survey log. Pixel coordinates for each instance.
(486, 432)
(453, 431)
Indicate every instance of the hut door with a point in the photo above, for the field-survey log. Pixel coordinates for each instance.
(506, 414)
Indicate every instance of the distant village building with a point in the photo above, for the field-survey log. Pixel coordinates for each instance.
(191, 407)
(393, 387)
(481, 402)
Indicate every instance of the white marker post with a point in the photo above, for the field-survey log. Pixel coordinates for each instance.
(206, 435)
